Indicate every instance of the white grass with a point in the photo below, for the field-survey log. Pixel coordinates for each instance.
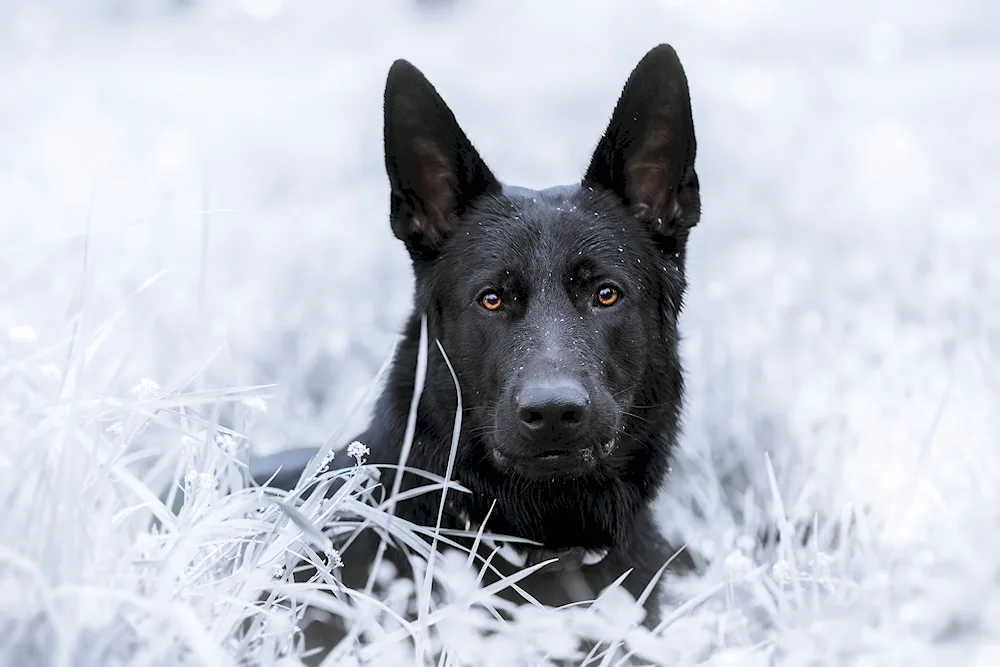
(195, 261)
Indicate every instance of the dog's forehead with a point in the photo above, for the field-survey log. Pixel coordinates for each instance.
(569, 231)
(567, 216)
(558, 209)
(548, 225)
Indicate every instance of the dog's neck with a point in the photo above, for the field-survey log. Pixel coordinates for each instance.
(526, 555)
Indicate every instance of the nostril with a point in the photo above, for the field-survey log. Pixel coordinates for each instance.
(530, 417)
(571, 417)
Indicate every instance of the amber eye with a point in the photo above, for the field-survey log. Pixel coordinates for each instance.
(491, 301)
(607, 296)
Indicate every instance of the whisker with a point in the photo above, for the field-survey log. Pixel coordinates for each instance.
(635, 416)
(671, 402)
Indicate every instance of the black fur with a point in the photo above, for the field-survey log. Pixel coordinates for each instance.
(607, 377)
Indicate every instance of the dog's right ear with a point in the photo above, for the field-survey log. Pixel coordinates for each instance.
(434, 171)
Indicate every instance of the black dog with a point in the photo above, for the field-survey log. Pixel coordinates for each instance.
(558, 310)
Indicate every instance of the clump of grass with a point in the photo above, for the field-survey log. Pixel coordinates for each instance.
(132, 535)
(95, 567)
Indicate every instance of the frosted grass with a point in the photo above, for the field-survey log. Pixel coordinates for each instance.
(196, 263)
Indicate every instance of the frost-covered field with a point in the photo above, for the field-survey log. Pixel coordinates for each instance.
(194, 230)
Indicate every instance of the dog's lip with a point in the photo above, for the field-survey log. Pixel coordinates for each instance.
(554, 454)
(550, 462)
(504, 454)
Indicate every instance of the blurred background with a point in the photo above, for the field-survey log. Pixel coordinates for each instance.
(210, 173)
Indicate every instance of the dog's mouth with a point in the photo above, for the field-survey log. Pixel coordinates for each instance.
(555, 454)
(552, 462)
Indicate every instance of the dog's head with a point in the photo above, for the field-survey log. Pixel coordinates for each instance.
(557, 308)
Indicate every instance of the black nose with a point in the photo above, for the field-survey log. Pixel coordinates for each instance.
(558, 407)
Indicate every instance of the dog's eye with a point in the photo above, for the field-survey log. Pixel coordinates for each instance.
(607, 296)
(491, 301)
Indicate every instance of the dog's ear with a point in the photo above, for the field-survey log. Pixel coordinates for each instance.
(647, 155)
(434, 171)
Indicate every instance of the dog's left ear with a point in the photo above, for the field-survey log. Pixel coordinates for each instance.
(647, 155)
(434, 171)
